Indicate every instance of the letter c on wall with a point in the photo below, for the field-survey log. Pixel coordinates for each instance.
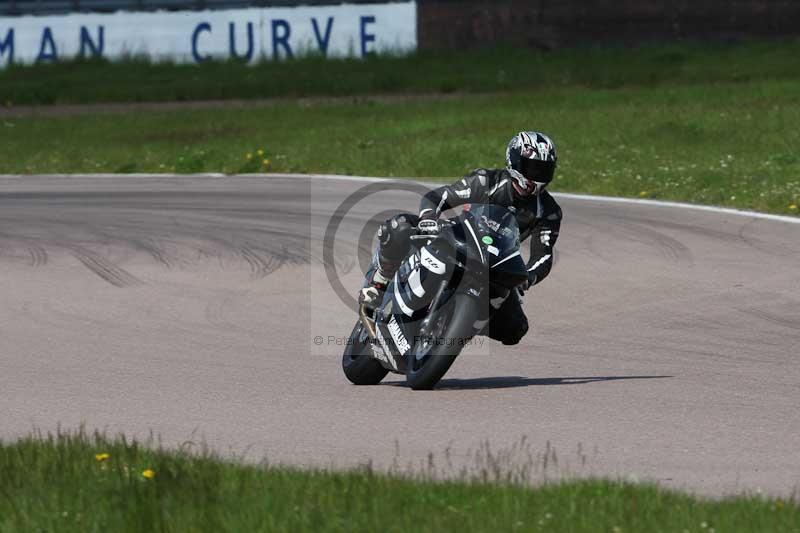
(203, 26)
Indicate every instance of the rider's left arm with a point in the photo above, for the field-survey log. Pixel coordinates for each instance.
(543, 239)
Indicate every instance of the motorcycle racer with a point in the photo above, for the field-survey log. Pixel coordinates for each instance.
(531, 159)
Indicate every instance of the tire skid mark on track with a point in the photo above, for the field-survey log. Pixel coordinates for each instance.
(38, 254)
(35, 253)
(207, 231)
(104, 268)
(784, 321)
(622, 230)
(732, 236)
(290, 257)
(594, 249)
(667, 247)
(763, 246)
(151, 247)
(226, 250)
(261, 265)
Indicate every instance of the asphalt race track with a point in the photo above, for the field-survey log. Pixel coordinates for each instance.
(664, 345)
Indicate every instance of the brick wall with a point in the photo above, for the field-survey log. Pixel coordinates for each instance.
(556, 23)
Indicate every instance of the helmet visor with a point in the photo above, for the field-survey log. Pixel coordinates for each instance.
(537, 170)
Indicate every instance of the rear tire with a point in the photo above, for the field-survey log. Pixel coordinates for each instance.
(459, 314)
(357, 362)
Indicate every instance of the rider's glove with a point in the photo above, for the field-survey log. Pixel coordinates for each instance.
(530, 283)
(428, 227)
(428, 214)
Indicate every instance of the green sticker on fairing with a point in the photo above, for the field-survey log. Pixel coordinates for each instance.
(487, 240)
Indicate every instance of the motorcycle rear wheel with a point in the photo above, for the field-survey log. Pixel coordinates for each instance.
(358, 364)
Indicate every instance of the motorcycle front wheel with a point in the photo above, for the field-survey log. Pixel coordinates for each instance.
(449, 331)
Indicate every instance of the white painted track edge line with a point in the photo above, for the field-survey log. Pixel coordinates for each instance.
(679, 205)
(370, 179)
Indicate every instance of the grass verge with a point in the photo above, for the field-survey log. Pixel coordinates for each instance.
(732, 144)
(441, 71)
(74, 482)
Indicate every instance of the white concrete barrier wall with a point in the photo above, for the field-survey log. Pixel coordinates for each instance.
(195, 36)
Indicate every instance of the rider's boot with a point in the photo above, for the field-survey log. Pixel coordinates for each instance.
(370, 297)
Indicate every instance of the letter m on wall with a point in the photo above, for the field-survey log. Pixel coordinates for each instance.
(7, 46)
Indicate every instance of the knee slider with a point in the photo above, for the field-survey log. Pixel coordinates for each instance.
(384, 234)
(396, 228)
(394, 236)
(514, 335)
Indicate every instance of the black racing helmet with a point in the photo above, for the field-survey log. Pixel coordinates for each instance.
(531, 160)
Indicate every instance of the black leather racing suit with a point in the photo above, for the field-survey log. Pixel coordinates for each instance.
(539, 218)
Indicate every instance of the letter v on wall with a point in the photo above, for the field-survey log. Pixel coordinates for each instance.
(322, 42)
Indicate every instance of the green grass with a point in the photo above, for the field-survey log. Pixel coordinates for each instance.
(734, 144)
(443, 71)
(57, 483)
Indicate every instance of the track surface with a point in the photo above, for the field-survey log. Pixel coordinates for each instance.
(664, 344)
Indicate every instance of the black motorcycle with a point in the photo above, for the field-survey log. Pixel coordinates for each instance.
(443, 294)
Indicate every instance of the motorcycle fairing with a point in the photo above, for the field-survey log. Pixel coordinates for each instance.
(406, 301)
(488, 247)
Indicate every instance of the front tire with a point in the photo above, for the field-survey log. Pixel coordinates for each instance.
(451, 328)
(357, 362)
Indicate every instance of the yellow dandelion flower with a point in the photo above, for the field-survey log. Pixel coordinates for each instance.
(266, 162)
(260, 152)
(149, 474)
(100, 457)
(249, 156)
(793, 207)
(643, 193)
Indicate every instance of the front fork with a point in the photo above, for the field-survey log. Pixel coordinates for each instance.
(437, 299)
(368, 321)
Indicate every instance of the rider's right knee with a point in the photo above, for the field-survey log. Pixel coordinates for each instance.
(394, 236)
